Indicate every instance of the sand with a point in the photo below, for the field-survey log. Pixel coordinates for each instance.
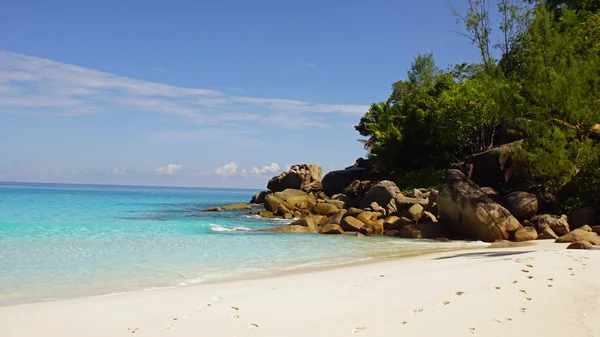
(540, 290)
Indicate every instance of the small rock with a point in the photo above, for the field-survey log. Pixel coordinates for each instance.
(526, 234)
(332, 229)
(580, 245)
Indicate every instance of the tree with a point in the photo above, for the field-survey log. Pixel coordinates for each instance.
(478, 29)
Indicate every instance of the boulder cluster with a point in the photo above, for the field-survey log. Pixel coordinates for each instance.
(345, 202)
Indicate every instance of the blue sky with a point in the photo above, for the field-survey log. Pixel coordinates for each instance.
(198, 93)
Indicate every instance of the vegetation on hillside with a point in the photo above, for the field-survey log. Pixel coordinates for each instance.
(541, 83)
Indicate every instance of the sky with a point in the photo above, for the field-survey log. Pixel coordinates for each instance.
(201, 93)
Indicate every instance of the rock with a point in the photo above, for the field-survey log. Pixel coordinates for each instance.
(465, 209)
(336, 182)
(295, 199)
(236, 207)
(428, 216)
(425, 230)
(354, 211)
(559, 225)
(288, 216)
(272, 203)
(415, 212)
(521, 205)
(337, 203)
(311, 221)
(392, 232)
(490, 192)
(580, 245)
(332, 229)
(351, 224)
(382, 194)
(402, 202)
(584, 216)
(596, 229)
(298, 177)
(366, 216)
(359, 235)
(375, 207)
(401, 222)
(442, 239)
(586, 228)
(213, 209)
(579, 235)
(372, 228)
(526, 234)
(346, 200)
(337, 218)
(389, 221)
(268, 215)
(492, 168)
(290, 229)
(547, 234)
(259, 197)
(357, 188)
(325, 209)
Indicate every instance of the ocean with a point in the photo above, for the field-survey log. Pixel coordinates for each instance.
(61, 241)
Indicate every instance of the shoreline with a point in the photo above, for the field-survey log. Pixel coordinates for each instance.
(458, 290)
(304, 268)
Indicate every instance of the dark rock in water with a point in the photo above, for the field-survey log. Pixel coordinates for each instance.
(259, 197)
(357, 188)
(584, 216)
(392, 232)
(580, 245)
(268, 215)
(236, 207)
(332, 229)
(290, 229)
(521, 205)
(526, 234)
(465, 209)
(303, 177)
(311, 221)
(335, 182)
(492, 168)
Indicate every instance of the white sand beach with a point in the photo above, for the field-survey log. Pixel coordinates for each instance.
(537, 290)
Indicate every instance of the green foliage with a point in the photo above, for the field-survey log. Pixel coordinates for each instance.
(545, 88)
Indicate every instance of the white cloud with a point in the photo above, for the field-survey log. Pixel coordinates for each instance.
(274, 167)
(117, 171)
(168, 170)
(231, 169)
(36, 86)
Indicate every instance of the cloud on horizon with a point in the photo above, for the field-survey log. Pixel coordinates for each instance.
(273, 168)
(36, 86)
(168, 170)
(231, 169)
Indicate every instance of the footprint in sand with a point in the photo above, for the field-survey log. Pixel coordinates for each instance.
(523, 291)
(528, 265)
(549, 286)
(514, 282)
(444, 303)
(550, 279)
(132, 330)
(416, 311)
(459, 293)
(572, 274)
(530, 277)
(252, 325)
(525, 270)
(523, 309)
(471, 331)
(528, 298)
(358, 329)
(235, 316)
(569, 268)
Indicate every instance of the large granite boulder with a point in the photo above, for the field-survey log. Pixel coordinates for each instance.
(311, 221)
(232, 207)
(492, 168)
(325, 209)
(559, 224)
(289, 201)
(470, 212)
(335, 182)
(580, 235)
(259, 197)
(332, 229)
(299, 177)
(522, 205)
(383, 193)
(526, 234)
(372, 227)
(580, 245)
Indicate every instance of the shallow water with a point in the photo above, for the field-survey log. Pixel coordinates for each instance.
(64, 241)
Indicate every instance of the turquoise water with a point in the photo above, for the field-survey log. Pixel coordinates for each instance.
(63, 241)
